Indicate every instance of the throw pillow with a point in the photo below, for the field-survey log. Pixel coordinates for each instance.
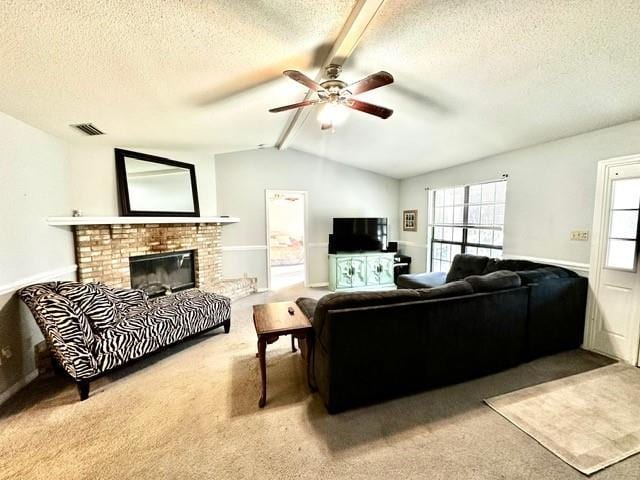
(93, 302)
(464, 265)
(308, 306)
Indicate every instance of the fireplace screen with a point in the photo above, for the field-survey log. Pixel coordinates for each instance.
(163, 273)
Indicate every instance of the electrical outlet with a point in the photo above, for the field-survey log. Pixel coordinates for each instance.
(6, 352)
(580, 235)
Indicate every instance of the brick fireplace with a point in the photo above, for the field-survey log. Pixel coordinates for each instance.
(103, 253)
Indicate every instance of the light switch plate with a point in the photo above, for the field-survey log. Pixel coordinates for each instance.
(580, 235)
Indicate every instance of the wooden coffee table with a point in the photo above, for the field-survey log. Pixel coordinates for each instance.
(273, 320)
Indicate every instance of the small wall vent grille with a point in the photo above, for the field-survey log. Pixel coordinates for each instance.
(88, 129)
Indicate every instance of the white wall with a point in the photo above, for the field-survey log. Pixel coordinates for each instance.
(93, 176)
(550, 192)
(334, 190)
(34, 184)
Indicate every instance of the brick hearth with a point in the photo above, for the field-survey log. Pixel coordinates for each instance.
(103, 251)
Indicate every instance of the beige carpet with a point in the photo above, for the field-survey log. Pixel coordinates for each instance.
(192, 412)
(590, 420)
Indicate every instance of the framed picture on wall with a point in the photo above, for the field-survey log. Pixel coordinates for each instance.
(410, 220)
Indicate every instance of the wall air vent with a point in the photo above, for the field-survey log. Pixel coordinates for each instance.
(88, 129)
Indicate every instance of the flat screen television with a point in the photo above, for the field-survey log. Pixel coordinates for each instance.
(358, 235)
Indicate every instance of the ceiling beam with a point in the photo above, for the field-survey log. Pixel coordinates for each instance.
(346, 42)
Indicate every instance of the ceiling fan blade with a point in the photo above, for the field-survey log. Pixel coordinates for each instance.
(304, 80)
(369, 108)
(306, 103)
(374, 80)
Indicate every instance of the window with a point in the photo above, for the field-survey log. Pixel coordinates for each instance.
(467, 219)
(623, 227)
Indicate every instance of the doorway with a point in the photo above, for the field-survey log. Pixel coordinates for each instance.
(286, 238)
(615, 276)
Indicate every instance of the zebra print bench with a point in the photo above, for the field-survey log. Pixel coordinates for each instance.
(91, 328)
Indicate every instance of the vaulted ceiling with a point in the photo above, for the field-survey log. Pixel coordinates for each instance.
(473, 78)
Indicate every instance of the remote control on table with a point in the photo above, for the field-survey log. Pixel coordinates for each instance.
(290, 310)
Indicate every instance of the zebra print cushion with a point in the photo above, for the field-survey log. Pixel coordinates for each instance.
(93, 302)
(165, 320)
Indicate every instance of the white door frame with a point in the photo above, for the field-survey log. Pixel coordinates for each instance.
(599, 234)
(305, 195)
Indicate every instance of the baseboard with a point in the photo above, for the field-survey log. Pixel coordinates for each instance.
(262, 290)
(19, 385)
(318, 285)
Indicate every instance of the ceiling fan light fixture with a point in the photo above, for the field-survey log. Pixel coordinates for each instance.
(332, 114)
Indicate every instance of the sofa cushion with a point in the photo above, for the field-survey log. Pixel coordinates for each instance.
(421, 280)
(308, 306)
(452, 289)
(500, 280)
(527, 277)
(93, 302)
(464, 265)
(342, 300)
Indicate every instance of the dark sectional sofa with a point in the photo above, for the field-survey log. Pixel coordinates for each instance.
(486, 315)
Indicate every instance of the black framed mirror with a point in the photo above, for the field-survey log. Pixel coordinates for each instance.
(150, 186)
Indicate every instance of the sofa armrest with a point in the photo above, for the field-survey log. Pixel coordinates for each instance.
(67, 333)
(422, 280)
(307, 306)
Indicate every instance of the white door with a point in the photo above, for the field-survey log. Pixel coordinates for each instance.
(616, 312)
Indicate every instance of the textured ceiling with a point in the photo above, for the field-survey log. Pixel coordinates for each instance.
(473, 78)
(160, 73)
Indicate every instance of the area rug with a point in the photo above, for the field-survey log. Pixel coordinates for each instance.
(590, 420)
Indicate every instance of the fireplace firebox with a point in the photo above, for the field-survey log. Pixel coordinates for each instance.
(163, 273)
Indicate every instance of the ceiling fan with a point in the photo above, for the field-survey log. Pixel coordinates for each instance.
(336, 94)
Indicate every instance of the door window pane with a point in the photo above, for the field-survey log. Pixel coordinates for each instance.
(624, 224)
(626, 193)
(622, 254)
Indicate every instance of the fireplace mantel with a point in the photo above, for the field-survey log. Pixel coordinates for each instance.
(62, 221)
